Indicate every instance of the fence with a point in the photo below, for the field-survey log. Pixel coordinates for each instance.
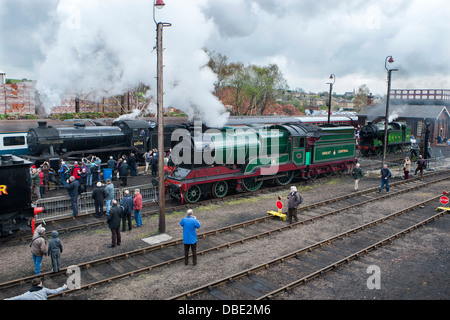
(61, 206)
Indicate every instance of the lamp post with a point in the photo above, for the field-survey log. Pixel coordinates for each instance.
(160, 114)
(386, 118)
(329, 97)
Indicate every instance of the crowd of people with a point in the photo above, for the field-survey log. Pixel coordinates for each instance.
(386, 174)
(119, 211)
(87, 172)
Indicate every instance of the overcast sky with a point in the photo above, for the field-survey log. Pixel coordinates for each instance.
(72, 45)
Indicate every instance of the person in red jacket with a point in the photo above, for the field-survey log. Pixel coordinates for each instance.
(41, 177)
(137, 207)
(76, 170)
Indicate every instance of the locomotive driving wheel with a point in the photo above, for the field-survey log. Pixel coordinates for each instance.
(250, 184)
(220, 189)
(282, 181)
(193, 194)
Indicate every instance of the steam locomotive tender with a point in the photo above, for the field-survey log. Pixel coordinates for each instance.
(243, 157)
(371, 138)
(15, 198)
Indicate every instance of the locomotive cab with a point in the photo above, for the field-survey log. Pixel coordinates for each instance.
(17, 212)
(137, 132)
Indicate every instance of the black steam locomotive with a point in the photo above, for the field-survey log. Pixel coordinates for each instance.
(16, 212)
(371, 138)
(123, 137)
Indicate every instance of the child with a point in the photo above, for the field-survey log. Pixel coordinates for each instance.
(54, 251)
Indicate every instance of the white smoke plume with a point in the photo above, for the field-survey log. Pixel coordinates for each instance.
(105, 48)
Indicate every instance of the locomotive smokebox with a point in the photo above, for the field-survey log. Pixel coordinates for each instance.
(43, 139)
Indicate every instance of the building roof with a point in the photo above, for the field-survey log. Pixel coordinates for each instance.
(404, 111)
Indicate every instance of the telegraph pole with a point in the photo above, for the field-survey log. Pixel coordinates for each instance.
(160, 116)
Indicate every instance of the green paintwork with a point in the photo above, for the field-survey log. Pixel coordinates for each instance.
(298, 156)
(325, 153)
(237, 144)
(263, 162)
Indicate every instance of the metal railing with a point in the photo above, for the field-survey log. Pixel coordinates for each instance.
(61, 206)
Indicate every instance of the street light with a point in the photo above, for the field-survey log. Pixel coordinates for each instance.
(160, 116)
(386, 118)
(329, 97)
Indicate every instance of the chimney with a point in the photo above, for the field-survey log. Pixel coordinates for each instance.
(2, 77)
(370, 100)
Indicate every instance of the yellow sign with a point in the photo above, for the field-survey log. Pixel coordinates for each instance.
(3, 189)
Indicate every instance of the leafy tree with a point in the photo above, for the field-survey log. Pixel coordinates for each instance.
(360, 99)
(253, 88)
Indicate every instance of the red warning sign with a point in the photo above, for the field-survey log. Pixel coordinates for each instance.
(444, 200)
(279, 205)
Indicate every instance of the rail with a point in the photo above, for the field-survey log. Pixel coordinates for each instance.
(61, 206)
(374, 166)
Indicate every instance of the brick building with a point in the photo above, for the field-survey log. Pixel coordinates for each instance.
(22, 98)
(18, 97)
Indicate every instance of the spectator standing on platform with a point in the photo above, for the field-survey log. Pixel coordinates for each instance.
(45, 168)
(147, 158)
(95, 173)
(109, 189)
(83, 180)
(385, 176)
(72, 186)
(112, 164)
(190, 224)
(137, 207)
(41, 179)
(132, 164)
(123, 173)
(154, 164)
(36, 183)
(76, 170)
(99, 195)
(63, 171)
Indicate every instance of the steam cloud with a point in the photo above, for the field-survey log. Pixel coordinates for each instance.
(105, 48)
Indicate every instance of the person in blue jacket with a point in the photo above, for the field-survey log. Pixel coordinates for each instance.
(189, 224)
(385, 175)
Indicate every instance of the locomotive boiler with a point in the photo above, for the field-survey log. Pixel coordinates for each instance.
(122, 137)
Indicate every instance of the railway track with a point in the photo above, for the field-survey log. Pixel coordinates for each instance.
(134, 262)
(88, 221)
(263, 281)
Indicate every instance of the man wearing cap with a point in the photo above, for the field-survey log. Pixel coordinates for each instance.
(99, 195)
(294, 199)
